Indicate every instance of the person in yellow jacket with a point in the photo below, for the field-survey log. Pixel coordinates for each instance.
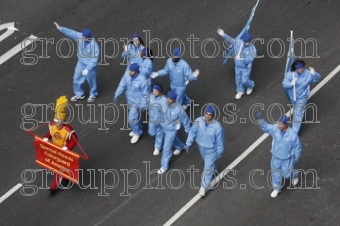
(61, 134)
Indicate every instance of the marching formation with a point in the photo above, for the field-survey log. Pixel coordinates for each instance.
(167, 113)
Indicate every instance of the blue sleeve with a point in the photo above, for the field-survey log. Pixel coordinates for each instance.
(230, 40)
(185, 122)
(192, 134)
(121, 88)
(220, 141)
(164, 71)
(286, 83)
(188, 73)
(144, 89)
(297, 147)
(267, 128)
(315, 78)
(71, 33)
(93, 61)
(125, 54)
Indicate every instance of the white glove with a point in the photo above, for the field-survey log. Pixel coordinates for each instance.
(125, 48)
(238, 57)
(64, 148)
(220, 31)
(196, 73)
(178, 126)
(57, 25)
(293, 83)
(85, 72)
(45, 139)
(312, 71)
(154, 75)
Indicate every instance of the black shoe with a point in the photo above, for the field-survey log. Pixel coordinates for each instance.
(52, 191)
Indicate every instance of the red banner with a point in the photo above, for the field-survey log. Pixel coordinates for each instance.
(52, 157)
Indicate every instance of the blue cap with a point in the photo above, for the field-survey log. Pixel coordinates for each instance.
(158, 88)
(87, 33)
(283, 119)
(172, 95)
(210, 109)
(136, 36)
(246, 37)
(298, 66)
(134, 67)
(176, 52)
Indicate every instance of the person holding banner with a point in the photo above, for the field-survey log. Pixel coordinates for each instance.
(296, 84)
(209, 135)
(286, 151)
(62, 135)
(244, 55)
(180, 74)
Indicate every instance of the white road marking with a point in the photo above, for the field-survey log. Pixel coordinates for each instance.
(10, 30)
(10, 192)
(245, 153)
(16, 49)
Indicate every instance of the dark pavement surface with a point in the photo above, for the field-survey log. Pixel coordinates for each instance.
(108, 149)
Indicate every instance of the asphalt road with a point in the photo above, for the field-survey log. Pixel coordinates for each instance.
(110, 149)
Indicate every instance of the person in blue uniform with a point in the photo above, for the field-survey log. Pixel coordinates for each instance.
(86, 68)
(209, 135)
(180, 74)
(244, 55)
(157, 104)
(136, 94)
(296, 85)
(132, 51)
(286, 151)
(172, 118)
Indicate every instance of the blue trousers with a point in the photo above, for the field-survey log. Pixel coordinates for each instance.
(299, 111)
(135, 120)
(282, 168)
(209, 156)
(79, 79)
(156, 131)
(170, 139)
(242, 79)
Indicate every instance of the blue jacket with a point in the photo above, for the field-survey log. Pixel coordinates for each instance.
(88, 53)
(172, 116)
(136, 90)
(207, 135)
(178, 72)
(284, 146)
(133, 54)
(248, 54)
(156, 106)
(302, 83)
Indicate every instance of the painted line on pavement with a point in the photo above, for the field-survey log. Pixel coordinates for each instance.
(10, 192)
(16, 49)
